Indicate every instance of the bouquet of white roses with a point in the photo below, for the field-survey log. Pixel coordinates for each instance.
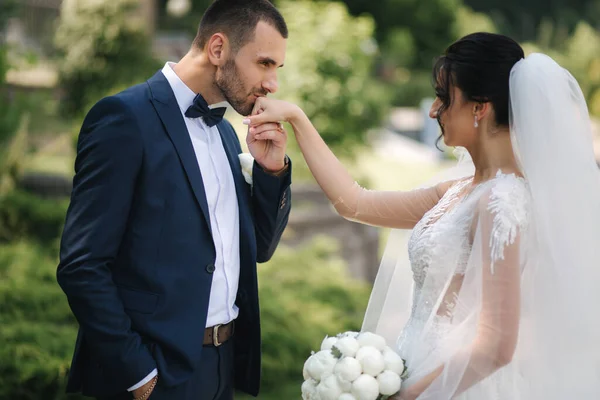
(353, 366)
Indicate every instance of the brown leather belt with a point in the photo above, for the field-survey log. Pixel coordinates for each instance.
(218, 334)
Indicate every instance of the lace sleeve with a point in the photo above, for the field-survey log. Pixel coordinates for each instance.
(502, 225)
(393, 209)
(378, 208)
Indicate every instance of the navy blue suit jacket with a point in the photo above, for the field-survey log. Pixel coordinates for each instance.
(137, 254)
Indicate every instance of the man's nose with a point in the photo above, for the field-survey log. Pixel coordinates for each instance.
(271, 85)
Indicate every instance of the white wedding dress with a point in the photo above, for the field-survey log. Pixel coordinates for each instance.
(495, 297)
(441, 244)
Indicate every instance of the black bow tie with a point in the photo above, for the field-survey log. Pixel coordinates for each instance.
(199, 108)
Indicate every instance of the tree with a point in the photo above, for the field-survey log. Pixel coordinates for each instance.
(429, 23)
(103, 45)
(522, 19)
(329, 70)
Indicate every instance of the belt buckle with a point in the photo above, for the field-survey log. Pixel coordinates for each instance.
(216, 342)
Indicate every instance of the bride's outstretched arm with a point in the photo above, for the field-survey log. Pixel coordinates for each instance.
(394, 209)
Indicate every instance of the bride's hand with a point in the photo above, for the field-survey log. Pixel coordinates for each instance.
(271, 110)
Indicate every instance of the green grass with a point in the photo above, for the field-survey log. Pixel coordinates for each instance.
(287, 392)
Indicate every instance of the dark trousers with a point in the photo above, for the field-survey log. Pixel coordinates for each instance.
(212, 381)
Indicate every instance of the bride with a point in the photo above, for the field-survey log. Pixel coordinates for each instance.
(497, 300)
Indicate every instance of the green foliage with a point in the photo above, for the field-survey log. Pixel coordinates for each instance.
(328, 70)
(12, 157)
(8, 8)
(305, 294)
(429, 23)
(469, 21)
(187, 23)
(26, 216)
(11, 107)
(579, 53)
(411, 86)
(103, 44)
(522, 19)
(37, 330)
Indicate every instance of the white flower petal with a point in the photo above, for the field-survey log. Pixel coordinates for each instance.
(246, 163)
(309, 390)
(329, 388)
(348, 346)
(328, 343)
(365, 388)
(348, 369)
(321, 364)
(305, 373)
(371, 360)
(371, 339)
(348, 334)
(393, 362)
(389, 383)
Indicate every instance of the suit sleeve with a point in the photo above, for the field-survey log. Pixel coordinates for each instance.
(271, 202)
(109, 157)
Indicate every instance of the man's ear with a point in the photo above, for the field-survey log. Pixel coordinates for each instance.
(217, 48)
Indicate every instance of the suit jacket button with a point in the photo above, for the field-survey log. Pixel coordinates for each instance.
(210, 268)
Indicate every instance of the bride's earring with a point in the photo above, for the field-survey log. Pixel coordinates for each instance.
(476, 124)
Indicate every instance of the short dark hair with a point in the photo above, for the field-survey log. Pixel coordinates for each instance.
(237, 19)
(478, 64)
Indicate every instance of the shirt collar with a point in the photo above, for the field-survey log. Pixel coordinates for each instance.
(183, 94)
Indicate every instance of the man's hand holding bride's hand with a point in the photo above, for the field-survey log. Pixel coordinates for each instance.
(266, 137)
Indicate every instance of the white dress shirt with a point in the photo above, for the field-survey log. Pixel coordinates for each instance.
(221, 196)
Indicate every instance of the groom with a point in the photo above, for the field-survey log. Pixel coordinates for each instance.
(162, 236)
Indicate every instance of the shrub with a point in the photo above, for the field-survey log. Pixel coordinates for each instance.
(24, 215)
(305, 294)
(37, 329)
(103, 45)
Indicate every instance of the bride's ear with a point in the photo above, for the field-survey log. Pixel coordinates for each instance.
(481, 110)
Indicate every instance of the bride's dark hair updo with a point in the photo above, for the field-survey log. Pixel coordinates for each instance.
(479, 64)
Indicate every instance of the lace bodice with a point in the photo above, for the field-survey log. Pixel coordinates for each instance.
(441, 243)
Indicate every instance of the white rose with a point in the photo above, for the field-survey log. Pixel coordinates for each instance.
(371, 339)
(348, 368)
(371, 360)
(329, 388)
(348, 346)
(246, 161)
(321, 364)
(309, 390)
(328, 343)
(346, 396)
(348, 334)
(389, 383)
(305, 373)
(365, 388)
(393, 362)
(345, 385)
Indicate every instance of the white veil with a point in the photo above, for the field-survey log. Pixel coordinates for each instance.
(557, 355)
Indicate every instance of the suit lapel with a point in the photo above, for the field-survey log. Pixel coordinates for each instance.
(166, 106)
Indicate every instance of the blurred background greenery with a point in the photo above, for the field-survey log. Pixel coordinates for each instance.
(361, 70)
